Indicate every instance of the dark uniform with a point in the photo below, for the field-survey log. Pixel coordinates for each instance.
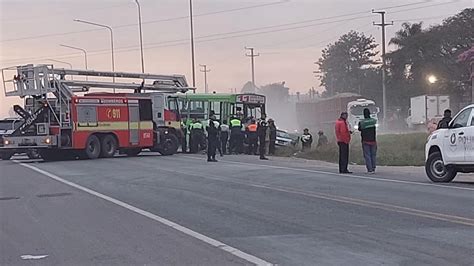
(197, 137)
(212, 141)
(262, 127)
(236, 139)
(252, 138)
(224, 136)
(273, 137)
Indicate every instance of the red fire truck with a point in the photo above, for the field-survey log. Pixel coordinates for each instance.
(62, 118)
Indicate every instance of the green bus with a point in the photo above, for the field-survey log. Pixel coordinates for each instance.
(224, 105)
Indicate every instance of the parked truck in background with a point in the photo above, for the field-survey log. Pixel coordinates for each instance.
(424, 108)
(321, 114)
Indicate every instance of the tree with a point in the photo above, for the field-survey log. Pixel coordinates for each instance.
(421, 52)
(346, 63)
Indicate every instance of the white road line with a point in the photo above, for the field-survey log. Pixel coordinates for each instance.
(341, 175)
(213, 242)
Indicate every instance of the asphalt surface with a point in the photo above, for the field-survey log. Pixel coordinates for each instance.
(282, 211)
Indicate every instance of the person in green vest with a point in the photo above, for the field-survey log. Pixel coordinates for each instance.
(367, 128)
(236, 138)
(197, 136)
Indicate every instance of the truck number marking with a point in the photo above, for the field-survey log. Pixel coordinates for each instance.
(113, 113)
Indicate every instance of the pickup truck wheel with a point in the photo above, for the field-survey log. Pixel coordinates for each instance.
(108, 146)
(6, 155)
(437, 171)
(92, 149)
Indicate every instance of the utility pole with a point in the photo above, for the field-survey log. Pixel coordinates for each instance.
(205, 70)
(192, 41)
(384, 90)
(252, 55)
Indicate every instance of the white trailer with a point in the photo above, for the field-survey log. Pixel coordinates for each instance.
(423, 108)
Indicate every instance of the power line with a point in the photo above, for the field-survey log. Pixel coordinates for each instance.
(185, 40)
(146, 22)
(178, 42)
(55, 13)
(218, 12)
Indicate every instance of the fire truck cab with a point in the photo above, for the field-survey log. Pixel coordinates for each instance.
(62, 119)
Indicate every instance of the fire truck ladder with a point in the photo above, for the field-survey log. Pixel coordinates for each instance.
(42, 80)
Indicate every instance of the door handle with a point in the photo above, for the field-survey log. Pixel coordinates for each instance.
(461, 133)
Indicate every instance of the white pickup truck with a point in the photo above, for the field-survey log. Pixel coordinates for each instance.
(451, 150)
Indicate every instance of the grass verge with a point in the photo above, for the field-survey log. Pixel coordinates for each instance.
(393, 150)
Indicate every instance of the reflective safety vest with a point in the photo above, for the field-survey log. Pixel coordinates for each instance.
(368, 123)
(252, 127)
(196, 125)
(235, 123)
(224, 128)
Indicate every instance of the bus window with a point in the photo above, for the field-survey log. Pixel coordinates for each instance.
(199, 109)
(216, 107)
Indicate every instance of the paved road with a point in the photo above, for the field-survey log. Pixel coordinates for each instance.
(284, 211)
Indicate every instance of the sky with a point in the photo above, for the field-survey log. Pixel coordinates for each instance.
(288, 35)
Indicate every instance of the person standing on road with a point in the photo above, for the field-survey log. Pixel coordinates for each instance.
(197, 136)
(343, 137)
(251, 131)
(235, 135)
(444, 123)
(262, 135)
(224, 136)
(367, 128)
(212, 140)
(217, 125)
(306, 140)
(273, 136)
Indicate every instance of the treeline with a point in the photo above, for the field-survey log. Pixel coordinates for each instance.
(353, 64)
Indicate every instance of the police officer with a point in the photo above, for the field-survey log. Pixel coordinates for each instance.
(197, 135)
(252, 137)
(262, 127)
(224, 136)
(184, 144)
(235, 135)
(212, 140)
(273, 135)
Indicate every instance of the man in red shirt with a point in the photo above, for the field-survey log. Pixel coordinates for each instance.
(343, 137)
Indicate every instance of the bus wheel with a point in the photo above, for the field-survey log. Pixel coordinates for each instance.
(169, 146)
(132, 152)
(92, 149)
(108, 146)
(6, 155)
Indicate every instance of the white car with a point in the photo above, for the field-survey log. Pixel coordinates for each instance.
(451, 150)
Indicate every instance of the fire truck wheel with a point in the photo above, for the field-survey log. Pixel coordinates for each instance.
(50, 155)
(33, 154)
(133, 152)
(93, 147)
(108, 146)
(6, 155)
(169, 146)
